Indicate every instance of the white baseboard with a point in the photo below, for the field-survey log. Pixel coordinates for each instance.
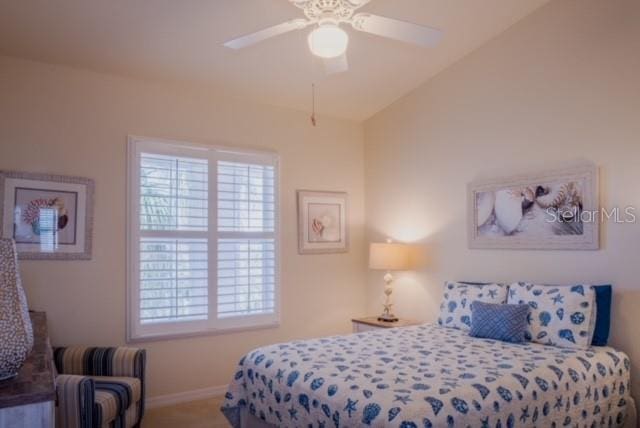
(185, 396)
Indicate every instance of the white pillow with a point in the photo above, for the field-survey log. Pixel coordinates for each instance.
(561, 316)
(455, 309)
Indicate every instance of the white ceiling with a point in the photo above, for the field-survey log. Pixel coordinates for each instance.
(181, 40)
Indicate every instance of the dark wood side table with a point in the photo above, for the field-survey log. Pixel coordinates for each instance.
(27, 400)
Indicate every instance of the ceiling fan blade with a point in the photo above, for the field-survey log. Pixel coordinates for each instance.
(258, 36)
(339, 64)
(396, 29)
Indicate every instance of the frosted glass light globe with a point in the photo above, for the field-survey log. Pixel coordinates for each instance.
(328, 41)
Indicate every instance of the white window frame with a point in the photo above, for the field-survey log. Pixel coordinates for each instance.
(140, 332)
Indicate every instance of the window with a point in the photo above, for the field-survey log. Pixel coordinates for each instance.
(203, 239)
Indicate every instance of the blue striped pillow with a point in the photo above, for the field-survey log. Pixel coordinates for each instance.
(504, 322)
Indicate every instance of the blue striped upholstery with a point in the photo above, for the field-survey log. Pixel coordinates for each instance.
(503, 322)
(106, 412)
(117, 376)
(75, 396)
(122, 393)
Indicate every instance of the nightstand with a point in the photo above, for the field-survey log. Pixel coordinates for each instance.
(372, 323)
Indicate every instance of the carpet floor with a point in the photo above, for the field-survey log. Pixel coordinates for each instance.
(195, 414)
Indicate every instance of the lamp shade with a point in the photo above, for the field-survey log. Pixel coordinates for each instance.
(389, 256)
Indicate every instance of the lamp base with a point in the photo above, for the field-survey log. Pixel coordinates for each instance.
(388, 318)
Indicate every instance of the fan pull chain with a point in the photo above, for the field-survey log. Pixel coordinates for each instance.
(313, 104)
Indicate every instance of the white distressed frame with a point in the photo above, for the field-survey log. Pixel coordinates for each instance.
(589, 240)
(135, 330)
(322, 248)
(86, 189)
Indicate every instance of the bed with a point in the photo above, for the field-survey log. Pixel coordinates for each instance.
(428, 376)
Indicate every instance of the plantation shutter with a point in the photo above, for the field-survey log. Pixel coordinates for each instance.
(246, 239)
(173, 265)
(203, 239)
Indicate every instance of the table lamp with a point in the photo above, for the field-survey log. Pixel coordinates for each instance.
(390, 257)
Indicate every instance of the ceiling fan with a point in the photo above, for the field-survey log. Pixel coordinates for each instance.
(328, 41)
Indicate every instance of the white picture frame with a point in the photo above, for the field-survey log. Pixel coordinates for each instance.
(49, 216)
(322, 222)
(560, 211)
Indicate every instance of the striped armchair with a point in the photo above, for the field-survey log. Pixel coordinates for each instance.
(99, 387)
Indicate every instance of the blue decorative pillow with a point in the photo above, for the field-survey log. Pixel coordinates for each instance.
(507, 323)
(455, 309)
(561, 316)
(603, 316)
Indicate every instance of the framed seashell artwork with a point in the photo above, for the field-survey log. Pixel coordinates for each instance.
(322, 222)
(550, 210)
(49, 216)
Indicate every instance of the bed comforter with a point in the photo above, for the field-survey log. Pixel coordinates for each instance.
(428, 376)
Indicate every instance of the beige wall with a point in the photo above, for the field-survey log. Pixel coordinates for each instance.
(66, 121)
(562, 84)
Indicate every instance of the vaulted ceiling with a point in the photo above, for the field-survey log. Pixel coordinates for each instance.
(181, 41)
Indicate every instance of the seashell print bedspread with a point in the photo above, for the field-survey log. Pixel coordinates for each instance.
(428, 376)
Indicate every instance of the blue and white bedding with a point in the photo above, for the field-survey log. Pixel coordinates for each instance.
(428, 376)
(560, 315)
(458, 298)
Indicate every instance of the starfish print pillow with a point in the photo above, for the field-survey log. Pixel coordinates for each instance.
(562, 316)
(455, 308)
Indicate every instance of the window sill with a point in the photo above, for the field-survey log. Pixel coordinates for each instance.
(209, 332)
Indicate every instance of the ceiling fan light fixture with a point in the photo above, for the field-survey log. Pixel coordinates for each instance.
(328, 41)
